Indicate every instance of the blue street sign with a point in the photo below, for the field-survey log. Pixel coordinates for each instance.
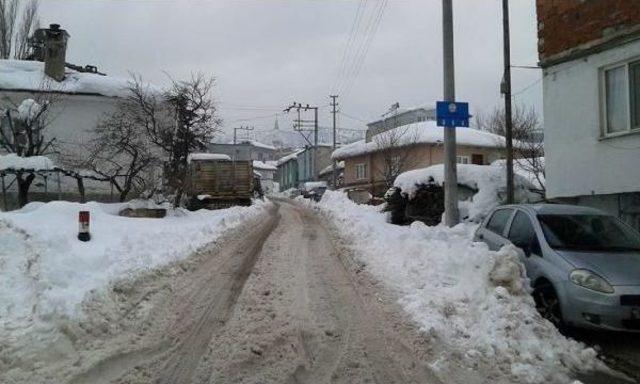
(452, 114)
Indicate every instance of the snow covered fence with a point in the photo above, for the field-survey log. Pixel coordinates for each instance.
(45, 272)
(472, 301)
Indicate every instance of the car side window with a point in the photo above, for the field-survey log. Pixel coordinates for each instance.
(498, 221)
(521, 233)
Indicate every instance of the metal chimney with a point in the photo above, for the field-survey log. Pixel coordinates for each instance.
(55, 51)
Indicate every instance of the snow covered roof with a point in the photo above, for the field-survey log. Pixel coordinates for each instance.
(291, 156)
(258, 144)
(426, 132)
(264, 166)
(15, 162)
(329, 168)
(21, 75)
(207, 156)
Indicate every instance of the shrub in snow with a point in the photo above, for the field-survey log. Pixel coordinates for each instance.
(487, 184)
(29, 110)
(472, 302)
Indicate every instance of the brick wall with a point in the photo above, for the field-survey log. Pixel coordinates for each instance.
(567, 24)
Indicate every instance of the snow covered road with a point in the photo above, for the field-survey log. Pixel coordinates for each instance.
(282, 299)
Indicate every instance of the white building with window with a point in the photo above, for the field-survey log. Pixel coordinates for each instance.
(592, 119)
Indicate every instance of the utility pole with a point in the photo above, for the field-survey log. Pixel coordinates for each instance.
(235, 139)
(334, 104)
(506, 90)
(299, 107)
(451, 216)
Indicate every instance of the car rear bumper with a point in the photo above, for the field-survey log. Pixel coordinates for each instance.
(619, 311)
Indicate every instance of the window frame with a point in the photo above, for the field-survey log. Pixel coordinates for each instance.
(507, 223)
(467, 158)
(363, 167)
(630, 129)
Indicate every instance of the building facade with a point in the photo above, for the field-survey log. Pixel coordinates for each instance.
(307, 165)
(287, 173)
(397, 117)
(590, 55)
(245, 150)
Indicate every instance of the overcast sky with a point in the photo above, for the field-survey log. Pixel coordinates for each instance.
(266, 54)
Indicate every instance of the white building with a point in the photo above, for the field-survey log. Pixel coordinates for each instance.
(267, 171)
(591, 96)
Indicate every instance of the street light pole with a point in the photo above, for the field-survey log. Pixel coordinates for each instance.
(451, 216)
(507, 100)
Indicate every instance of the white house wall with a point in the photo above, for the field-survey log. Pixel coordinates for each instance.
(578, 162)
(73, 117)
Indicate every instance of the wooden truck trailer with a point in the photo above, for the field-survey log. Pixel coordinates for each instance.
(216, 181)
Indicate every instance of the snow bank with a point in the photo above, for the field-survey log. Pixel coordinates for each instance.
(207, 156)
(45, 272)
(470, 300)
(426, 132)
(30, 76)
(489, 181)
(15, 162)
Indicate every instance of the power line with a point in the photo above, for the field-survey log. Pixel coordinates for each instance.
(364, 48)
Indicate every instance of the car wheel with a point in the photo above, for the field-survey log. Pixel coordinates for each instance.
(548, 304)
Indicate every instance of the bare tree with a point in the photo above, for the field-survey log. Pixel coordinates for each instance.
(28, 24)
(528, 147)
(14, 33)
(121, 151)
(394, 148)
(180, 121)
(24, 135)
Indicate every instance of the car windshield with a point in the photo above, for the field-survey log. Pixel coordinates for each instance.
(589, 233)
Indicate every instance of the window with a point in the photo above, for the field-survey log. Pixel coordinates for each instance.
(462, 159)
(499, 220)
(621, 104)
(395, 165)
(361, 171)
(477, 159)
(521, 233)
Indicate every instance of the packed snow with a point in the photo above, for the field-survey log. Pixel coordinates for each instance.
(426, 132)
(473, 301)
(15, 162)
(488, 180)
(207, 156)
(46, 272)
(22, 75)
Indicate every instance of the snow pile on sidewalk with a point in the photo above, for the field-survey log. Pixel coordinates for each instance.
(465, 297)
(489, 181)
(45, 272)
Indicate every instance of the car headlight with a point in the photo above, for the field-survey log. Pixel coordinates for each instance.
(587, 279)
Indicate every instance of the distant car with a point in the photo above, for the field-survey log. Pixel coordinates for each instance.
(583, 264)
(313, 190)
